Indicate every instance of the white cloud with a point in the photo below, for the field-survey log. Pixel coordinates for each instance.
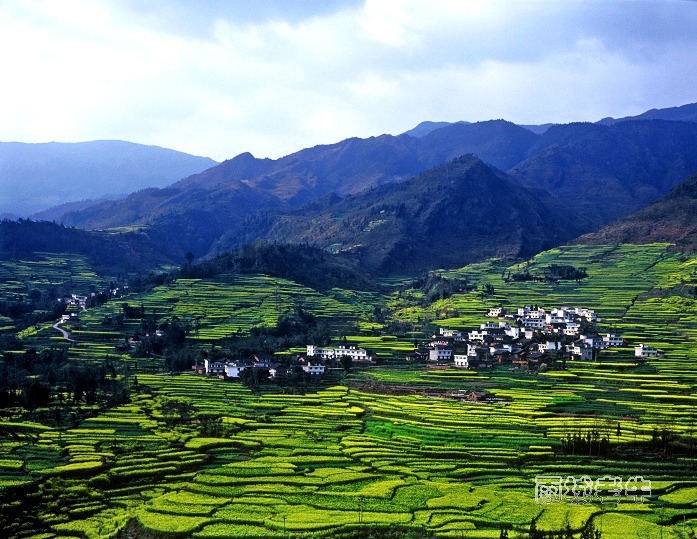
(214, 83)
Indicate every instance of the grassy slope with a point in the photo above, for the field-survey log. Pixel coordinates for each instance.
(452, 467)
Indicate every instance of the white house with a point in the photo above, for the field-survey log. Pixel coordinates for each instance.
(645, 351)
(213, 367)
(581, 351)
(611, 340)
(533, 322)
(461, 360)
(445, 332)
(352, 351)
(318, 351)
(595, 341)
(233, 369)
(314, 369)
(440, 353)
(550, 346)
(477, 335)
(496, 312)
(572, 328)
(512, 332)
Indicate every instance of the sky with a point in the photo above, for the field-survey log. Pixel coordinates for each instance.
(221, 77)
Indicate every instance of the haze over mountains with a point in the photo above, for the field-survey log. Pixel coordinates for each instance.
(34, 177)
(521, 190)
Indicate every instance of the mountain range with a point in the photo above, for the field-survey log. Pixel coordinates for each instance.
(440, 195)
(35, 177)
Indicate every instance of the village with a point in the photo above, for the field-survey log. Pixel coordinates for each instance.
(532, 338)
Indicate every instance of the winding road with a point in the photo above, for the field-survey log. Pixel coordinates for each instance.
(66, 335)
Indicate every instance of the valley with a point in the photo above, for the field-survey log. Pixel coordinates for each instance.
(187, 455)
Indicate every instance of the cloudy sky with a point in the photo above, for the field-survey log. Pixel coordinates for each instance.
(219, 77)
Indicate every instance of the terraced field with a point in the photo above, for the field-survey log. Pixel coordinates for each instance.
(329, 462)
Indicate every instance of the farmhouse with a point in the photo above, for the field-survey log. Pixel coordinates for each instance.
(352, 351)
(611, 340)
(461, 360)
(213, 367)
(314, 369)
(644, 351)
(440, 353)
(233, 369)
(496, 312)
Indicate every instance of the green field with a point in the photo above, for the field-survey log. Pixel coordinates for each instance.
(339, 459)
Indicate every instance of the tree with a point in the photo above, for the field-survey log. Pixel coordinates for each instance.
(346, 362)
(503, 534)
(189, 257)
(177, 411)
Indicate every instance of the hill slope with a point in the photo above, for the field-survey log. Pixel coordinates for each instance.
(446, 217)
(672, 219)
(109, 253)
(606, 172)
(34, 177)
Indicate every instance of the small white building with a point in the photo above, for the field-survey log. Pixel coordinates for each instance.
(213, 367)
(572, 328)
(440, 353)
(496, 312)
(533, 322)
(581, 351)
(352, 351)
(645, 351)
(611, 340)
(461, 360)
(318, 351)
(314, 369)
(233, 369)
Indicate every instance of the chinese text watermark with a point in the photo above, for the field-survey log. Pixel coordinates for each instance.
(606, 489)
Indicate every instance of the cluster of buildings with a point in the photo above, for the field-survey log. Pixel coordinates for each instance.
(75, 300)
(314, 363)
(530, 337)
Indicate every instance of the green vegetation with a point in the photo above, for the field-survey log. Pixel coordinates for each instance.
(383, 450)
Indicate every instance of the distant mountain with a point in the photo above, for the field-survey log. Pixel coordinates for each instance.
(56, 213)
(606, 172)
(448, 216)
(34, 177)
(424, 128)
(182, 218)
(684, 113)
(672, 219)
(596, 174)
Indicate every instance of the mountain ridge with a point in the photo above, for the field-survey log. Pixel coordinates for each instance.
(39, 176)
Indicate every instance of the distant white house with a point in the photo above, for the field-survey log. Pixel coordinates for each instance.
(533, 322)
(213, 367)
(572, 328)
(440, 353)
(496, 312)
(314, 369)
(352, 351)
(611, 340)
(580, 350)
(450, 333)
(645, 351)
(233, 369)
(320, 352)
(461, 360)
